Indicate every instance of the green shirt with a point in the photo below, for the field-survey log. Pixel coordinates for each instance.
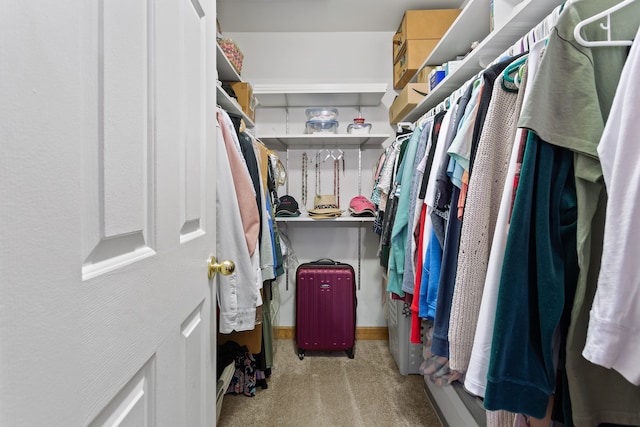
(568, 106)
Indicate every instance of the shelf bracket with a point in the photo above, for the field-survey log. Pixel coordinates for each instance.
(286, 120)
(359, 251)
(359, 171)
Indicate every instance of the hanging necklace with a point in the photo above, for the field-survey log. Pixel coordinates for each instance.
(318, 173)
(336, 181)
(305, 167)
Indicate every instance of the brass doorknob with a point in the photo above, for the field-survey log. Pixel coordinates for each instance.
(225, 268)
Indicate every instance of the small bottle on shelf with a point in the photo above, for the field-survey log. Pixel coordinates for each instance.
(359, 127)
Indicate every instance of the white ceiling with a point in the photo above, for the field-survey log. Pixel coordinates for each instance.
(319, 15)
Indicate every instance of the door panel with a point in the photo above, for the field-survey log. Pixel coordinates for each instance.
(192, 75)
(108, 172)
(194, 351)
(124, 62)
(119, 191)
(133, 406)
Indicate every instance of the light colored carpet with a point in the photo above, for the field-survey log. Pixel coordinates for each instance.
(331, 390)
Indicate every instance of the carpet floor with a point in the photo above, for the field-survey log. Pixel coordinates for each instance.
(331, 390)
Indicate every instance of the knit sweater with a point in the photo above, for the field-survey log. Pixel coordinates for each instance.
(481, 212)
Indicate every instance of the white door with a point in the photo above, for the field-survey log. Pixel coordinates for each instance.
(107, 127)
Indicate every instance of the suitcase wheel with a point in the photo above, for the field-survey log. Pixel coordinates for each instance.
(349, 352)
(300, 353)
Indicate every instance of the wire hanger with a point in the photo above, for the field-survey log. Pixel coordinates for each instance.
(607, 27)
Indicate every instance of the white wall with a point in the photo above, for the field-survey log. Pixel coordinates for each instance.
(338, 57)
(345, 57)
(357, 57)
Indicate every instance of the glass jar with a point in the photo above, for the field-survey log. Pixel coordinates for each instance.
(359, 127)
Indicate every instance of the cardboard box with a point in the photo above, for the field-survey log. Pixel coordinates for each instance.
(423, 75)
(244, 92)
(410, 60)
(410, 96)
(422, 25)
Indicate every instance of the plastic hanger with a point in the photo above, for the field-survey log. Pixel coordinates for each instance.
(511, 74)
(403, 137)
(607, 27)
(407, 125)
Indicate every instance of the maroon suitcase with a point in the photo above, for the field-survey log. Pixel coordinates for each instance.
(325, 307)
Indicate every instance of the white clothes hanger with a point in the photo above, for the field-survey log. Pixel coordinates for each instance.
(607, 27)
(407, 125)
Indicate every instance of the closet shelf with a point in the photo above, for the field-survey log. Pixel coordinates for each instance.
(523, 18)
(226, 72)
(232, 106)
(345, 218)
(319, 95)
(471, 25)
(320, 139)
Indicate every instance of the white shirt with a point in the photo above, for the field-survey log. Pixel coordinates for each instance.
(238, 294)
(613, 337)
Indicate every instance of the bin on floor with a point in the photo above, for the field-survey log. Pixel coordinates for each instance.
(408, 356)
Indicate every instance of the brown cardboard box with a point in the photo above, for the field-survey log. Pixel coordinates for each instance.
(407, 101)
(423, 75)
(410, 60)
(252, 339)
(244, 92)
(422, 25)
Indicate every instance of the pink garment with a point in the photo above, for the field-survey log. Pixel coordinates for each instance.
(244, 189)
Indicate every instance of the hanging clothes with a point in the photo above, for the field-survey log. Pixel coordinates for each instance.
(613, 338)
(421, 232)
(408, 276)
(446, 282)
(241, 181)
(391, 204)
(539, 263)
(239, 293)
(399, 229)
(476, 376)
(432, 257)
(480, 215)
(572, 115)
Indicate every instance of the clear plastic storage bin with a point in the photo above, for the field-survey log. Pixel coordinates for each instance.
(322, 126)
(322, 113)
(407, 356)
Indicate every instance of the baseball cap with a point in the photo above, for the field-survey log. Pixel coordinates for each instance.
(287, 206)
(361, 206)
